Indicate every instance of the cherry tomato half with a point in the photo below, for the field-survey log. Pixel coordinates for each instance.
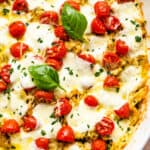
(42, 143)
(20, 5)
(66, 134)
(124, 111)
(102, 9)
(49, 17)
(121, 47)
(63, 107)
(111, 82)
(105, 126)
(44, 96)
(87, 57)
(98, 145)
(3, 86)
(17, 29)
(91, 101)
(10, 126)
(18, 49)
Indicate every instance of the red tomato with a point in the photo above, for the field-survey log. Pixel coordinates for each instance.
(97, 26)
(105, 126)
(49, 17)
(87, 57)
(3, 86)
(99, 145)
(66, 134)
(5, 73)
(110, 60)
(56, 64)
(91, 101)
(123, 1)
(63, 107)
(1, 1)
(20, 5)
(102, 9)
(42, 143)
(30, 123)
(44, 96)
(18, 49)
(124, 111)
(17, 29)
(112, 23)
(61, 33)
(121, 47)
(10, 126)
(57, 51)
(111, 82)
(72, 3)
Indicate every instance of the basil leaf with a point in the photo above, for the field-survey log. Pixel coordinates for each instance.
(73, 22)
(44, 77)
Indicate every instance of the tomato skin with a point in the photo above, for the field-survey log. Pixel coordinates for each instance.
(123, 1)
(111, 82)
(10, 126)
(105, 126)
(102, 9)
(44, 95)
(63, 108)
(17, 29)
(42, 143)
(110, 60)
(30, 123)
(1, 1)
(87, 57)
(20, 5)
(98, 27)
(57, 51)
(5, 73)
(49, 17)
(121, 48)
(112, 23)
(18, 49)
(66, 134)
(98, 145)
(56, 64)
(124, 111)
(61, 33)
(91, 101)
(3, 86)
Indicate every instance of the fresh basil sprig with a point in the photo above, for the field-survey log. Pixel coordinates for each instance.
(73, 22)
(44, 77)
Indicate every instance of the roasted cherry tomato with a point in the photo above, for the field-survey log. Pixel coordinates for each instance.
(87, 57)
(57, 51)
(10, 126)
(121, 48)
(66, 134)
(17, 29)
(42, 143)
(98, 145)
(111, 82)
(20, 5)
(49, 17)
(1, 1)
(124, 111)
(18, 49)
(112, 23)
(5, 73)
(44, 95)
(91, 101)
(110, 60)
(61, 33)
(97, 26)
(30, 123)
(56, 64)
(63, 107)
(102, 9)
(123, 1)
(72, 3)
(3, 86)
(105, 126)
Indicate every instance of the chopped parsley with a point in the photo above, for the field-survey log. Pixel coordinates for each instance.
(5, 11)
(11, 70)
(55, 121)
(88, 125)
(71, 116)
(18, 67)
(43, 133)
(52, 115)
(39, 40)
(138, 38)
(98, 73)
(25, 74)
(1, 115)
(70, 71)
(117, 90)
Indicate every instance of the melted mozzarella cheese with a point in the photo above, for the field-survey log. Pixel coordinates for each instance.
(75, 73)
(83, 118)
(73, 147)
(39, 36)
